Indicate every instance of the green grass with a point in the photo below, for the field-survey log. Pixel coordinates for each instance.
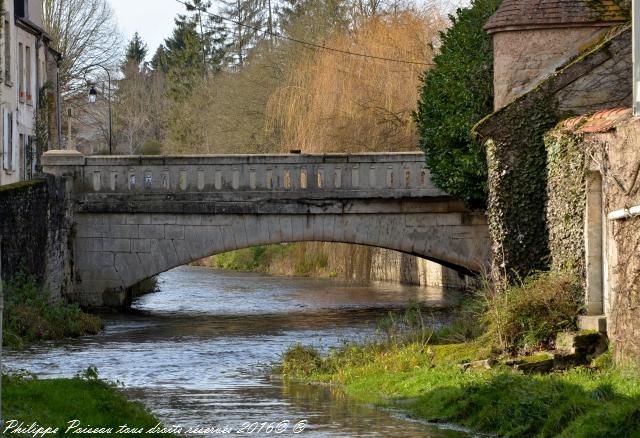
(426, 381)
(417, 369)
(54, 403)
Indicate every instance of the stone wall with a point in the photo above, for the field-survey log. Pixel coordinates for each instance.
(114, 251)
(34, 229)
(523, 58)
(393, 266)
(594, 169)
(616, 156)
(599, 78)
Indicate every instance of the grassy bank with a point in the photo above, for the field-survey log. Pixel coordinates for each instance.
(428, 383)
(298, 259)
(416, 369)
(55, 403)
(29, 315)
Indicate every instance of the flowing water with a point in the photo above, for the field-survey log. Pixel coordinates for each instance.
(198, 352)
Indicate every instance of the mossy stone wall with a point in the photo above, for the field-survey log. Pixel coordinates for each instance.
(34, 232)
(517, 188)
(23, 229)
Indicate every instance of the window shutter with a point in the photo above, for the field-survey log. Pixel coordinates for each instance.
(5, 141)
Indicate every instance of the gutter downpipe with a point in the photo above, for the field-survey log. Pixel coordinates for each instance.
(625, 213)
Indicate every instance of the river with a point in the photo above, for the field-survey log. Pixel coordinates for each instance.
(198, 352)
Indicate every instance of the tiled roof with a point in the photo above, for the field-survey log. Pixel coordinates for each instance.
(518, 13)
(601, 121)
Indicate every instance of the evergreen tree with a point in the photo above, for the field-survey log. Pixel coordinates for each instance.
(313, 19)
(136, 51)
(191, 53)
(455, 94)
(247, 19)
(159, 61)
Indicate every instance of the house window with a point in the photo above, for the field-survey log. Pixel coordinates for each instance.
(27, 60)
(7, 53)
(21, 8)
(7, 141)
(21, 71)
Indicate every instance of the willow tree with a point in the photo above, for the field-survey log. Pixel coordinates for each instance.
(332, 101)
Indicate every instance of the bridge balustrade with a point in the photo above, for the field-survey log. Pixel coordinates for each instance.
(256, 173)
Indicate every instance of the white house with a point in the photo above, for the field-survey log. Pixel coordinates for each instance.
(27, 64)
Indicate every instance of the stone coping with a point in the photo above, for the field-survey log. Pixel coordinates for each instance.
(66, 158)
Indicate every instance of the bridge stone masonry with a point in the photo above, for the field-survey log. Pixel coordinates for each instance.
(137, 216)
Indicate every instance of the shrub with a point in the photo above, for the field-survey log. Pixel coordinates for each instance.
(456, 93)
(300, 360)
(29, 316)
(528, 316)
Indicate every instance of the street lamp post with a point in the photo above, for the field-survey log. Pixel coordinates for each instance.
(93, 97)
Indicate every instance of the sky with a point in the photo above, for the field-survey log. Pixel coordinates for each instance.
(152, 19)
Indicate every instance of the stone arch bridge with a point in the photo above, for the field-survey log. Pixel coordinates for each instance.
(137, 216)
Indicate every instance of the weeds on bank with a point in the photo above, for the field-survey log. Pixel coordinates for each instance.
(29, 316)
(524, 318)
(414, 367)
(527, 316)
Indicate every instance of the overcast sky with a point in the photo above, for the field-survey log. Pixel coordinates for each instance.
(152, 19)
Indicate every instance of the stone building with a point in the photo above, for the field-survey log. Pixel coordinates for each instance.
(28, 64)
(562, 153)
(533, 38)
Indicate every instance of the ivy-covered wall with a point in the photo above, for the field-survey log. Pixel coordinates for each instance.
(606, 143)
(517, 188)
(566, 199)
(517, 156)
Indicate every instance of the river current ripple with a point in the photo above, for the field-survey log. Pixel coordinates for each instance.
(198, 352)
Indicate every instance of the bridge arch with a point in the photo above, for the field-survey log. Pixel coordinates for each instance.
(113, 252)
(135, 217)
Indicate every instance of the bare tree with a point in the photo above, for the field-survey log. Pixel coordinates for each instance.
(140, 108)
(86, 34)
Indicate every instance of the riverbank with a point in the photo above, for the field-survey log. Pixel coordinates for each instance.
(29, 316)
(429, 384)
(70, 405)
(341, 261)
(479, 371)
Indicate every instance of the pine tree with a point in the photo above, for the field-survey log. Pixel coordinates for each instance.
(247, 19)
(159, 61)
(136, 51)
(190, 54)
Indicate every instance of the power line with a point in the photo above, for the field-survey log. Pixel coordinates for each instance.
(295, 40)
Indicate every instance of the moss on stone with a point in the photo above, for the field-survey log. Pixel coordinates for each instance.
(14, 188)
(610, 10)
